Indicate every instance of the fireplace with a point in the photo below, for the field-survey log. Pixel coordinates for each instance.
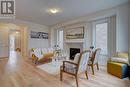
(73, 51)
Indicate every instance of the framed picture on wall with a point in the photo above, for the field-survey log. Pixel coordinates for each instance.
(75, 33)
(39, 35)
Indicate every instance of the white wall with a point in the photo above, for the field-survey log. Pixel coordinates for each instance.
(3, 42)
(122, 29)
(37, 43)
(88, 35)
(121, 13)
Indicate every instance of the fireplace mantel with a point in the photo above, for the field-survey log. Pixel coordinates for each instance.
(75, 41)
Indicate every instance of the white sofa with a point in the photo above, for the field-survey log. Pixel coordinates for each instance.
(41, 54)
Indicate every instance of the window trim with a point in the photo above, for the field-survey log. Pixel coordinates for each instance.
(57, 41)
(101, 21)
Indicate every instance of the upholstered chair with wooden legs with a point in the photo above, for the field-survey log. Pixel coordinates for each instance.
(94, 59)
(74, 68)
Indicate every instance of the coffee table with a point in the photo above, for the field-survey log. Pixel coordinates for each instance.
(58, 61)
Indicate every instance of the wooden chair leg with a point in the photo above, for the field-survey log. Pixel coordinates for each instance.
(97, 67)
(61, 75)
(86, 74)
(92, 69)
(77, 81)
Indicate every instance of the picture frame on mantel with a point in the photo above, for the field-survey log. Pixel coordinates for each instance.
(75, 33)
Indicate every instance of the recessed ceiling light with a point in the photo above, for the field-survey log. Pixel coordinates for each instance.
(54, 11)
(17, 32)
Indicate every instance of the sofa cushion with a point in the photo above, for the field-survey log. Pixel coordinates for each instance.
(122, 55)
(76, 58)
(50, 50)
(120, 60)
(44, 51)
(38, 53)
(48, 55)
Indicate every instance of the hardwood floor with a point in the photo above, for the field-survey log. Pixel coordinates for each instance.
(21, 72)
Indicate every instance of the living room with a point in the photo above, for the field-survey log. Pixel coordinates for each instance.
(65, 43)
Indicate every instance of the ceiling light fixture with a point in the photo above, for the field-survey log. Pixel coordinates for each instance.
(17, 32)
(54, 11)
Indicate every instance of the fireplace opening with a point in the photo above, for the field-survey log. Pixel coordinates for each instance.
(73, 52)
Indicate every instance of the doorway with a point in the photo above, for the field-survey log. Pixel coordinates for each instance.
(13, 37)
(14, 41)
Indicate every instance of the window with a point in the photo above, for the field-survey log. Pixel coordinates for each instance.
(60, 38)
(101, 37)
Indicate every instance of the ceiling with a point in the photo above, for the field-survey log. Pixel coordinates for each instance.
(36, 10)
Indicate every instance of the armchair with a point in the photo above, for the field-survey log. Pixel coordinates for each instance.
(74, 68)
(94, 59)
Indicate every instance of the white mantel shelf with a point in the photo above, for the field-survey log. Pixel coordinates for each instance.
(81, 41)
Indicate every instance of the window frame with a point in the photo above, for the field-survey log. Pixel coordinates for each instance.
(58, 32)
(101, 21)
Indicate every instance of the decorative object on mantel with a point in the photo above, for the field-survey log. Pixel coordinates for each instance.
(39, 35)
(75, 33)
(91, 47)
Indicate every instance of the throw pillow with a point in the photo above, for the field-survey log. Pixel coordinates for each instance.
(76, 58)
(120, 60)
(122, 55)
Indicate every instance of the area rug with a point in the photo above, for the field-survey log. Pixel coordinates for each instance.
(52, 68)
